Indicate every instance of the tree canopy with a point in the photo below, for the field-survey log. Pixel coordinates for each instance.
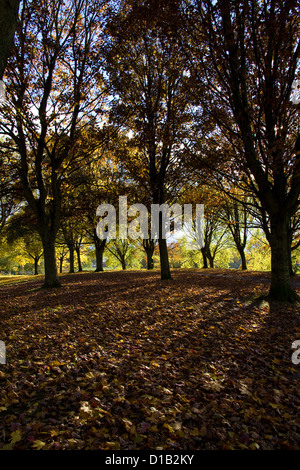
(146, 100)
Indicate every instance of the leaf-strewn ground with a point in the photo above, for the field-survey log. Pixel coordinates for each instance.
(123, 360)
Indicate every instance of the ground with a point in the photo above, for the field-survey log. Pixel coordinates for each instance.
(123, 360)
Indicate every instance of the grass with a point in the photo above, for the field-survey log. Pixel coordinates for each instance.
(13, 279)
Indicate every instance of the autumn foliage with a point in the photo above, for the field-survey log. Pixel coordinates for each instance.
(126, 361)
(159, 102)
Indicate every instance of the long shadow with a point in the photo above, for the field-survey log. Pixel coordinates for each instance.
(197, 339)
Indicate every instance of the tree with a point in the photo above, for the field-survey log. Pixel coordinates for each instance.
(294, 239)
(258, 251)
(149, 247)
(61, 251)
(120, 249)
(12, 256)
(22, 227)
(51, 80)
(73, 218)
(8, 23)
(69, 236)
(147, 80)
(213, 239)
(102, 182)
(10, 192)
(175, 255)
(243, 57)
(210, 236)
(236, 216)
(34, 249)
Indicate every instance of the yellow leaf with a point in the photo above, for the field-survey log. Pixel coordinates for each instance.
(177, 426)
(168, 427)
(89, 375)
(72, 442)
(153, 363)
(128, 424)
(38, 445)
(57, 363)
(153, 428)
(85, 411)
(275, 405)
(15, 436)
(113, 445)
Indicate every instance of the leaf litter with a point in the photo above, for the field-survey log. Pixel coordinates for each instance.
(123, 360)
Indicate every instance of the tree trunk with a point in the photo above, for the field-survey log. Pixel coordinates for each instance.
(123, 263)
(290, 241)
(243, 258)
(165, 272)
(149, 246)
(36, 265)
(71, 250)
(281, 289)
(164, 259)
(99, 248)
(51, 275)
(210, 258)
(8, 21)
(205, 266)
(77, 249)
(61, 260)
(292, 272)
(150, 262)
